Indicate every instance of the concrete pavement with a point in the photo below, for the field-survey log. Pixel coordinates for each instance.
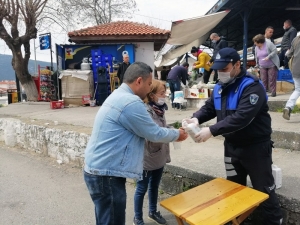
(35, 190)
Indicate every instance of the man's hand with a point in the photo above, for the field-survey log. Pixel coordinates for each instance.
(182, 134)
(194, 67)
(208, 63)
(203, 135)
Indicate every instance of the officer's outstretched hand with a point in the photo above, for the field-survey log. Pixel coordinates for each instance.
(182, 135)
(203, 135)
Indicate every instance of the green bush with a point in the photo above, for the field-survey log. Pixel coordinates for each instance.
(177, 125)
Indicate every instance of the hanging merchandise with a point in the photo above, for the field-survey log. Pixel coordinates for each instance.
(46, 90)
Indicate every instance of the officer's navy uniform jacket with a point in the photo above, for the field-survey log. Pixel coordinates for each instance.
(241, 110)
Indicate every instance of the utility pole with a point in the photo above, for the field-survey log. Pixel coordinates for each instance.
(35, 66)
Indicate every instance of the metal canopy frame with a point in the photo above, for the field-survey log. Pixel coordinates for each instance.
(248, 18)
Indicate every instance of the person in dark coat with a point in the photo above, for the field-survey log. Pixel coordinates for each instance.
(240, 103)
(290, 33)
(123, 67)
(217, 44)
(177, 75)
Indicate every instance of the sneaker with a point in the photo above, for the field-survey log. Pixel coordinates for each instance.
(157, 218)
(138, 222)
(273, 94)
(287, 113)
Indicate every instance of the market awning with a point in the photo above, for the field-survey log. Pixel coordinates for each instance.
(188, 33)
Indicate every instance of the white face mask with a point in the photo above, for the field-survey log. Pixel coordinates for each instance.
(213, 41)
(224, 77)
(160, 101)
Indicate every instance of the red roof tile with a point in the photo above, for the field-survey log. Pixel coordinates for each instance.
(119, 28)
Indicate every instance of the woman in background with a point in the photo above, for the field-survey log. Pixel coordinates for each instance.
(268, 62)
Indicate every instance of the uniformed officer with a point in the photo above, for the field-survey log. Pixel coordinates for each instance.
(239, 102)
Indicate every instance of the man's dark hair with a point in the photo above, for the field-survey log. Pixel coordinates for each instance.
(185, 64)
(259, 39)
(289, 22)
(270, 27)
(136, 70)
(194, 49)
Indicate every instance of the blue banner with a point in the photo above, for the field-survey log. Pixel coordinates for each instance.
(45, 42)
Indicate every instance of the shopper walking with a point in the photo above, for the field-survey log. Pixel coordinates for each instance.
(294, 53)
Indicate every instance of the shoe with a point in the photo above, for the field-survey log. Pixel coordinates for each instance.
(273, 94)
(157, 218)
(138, 222)
(287, 113)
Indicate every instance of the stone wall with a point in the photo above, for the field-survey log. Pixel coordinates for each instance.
(65, 146)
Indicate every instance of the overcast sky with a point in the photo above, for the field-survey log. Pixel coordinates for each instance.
(157, 13)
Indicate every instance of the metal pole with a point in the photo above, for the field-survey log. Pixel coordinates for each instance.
(35, 66)
(51, 52)
(246, 16)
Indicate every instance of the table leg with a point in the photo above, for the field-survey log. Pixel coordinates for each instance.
(242, 217)
(179, 221)
(235, 222)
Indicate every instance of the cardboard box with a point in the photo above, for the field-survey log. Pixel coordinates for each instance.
(75, 84)
(197, 93)
(57, 104)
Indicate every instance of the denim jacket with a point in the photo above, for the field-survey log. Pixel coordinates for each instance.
(116, 146)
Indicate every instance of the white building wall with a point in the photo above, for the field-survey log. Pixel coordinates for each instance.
(144, 52)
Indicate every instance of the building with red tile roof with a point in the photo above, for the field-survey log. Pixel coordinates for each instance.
(120, 32)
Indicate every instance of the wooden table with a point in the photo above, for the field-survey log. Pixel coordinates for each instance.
(215, 202)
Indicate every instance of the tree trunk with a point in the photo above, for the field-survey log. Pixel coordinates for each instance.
(20, 66)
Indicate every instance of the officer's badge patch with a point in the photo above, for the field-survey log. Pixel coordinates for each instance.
(218, 56)
(253, 99)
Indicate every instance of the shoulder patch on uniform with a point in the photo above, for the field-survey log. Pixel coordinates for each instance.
(253, 99)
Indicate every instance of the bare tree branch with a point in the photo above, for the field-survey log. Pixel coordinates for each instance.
(99, 11)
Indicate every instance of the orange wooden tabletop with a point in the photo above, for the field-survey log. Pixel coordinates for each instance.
(215, 202)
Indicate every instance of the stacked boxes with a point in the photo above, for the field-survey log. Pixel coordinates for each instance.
(102, 80)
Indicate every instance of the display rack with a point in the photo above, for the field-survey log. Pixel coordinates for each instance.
(46, 90)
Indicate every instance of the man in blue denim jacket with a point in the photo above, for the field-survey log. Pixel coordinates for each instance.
(116, 148)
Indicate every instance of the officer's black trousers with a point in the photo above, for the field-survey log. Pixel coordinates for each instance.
(256, 161)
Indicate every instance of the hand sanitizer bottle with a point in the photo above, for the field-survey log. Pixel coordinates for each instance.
(277, 174)
(192, 130)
